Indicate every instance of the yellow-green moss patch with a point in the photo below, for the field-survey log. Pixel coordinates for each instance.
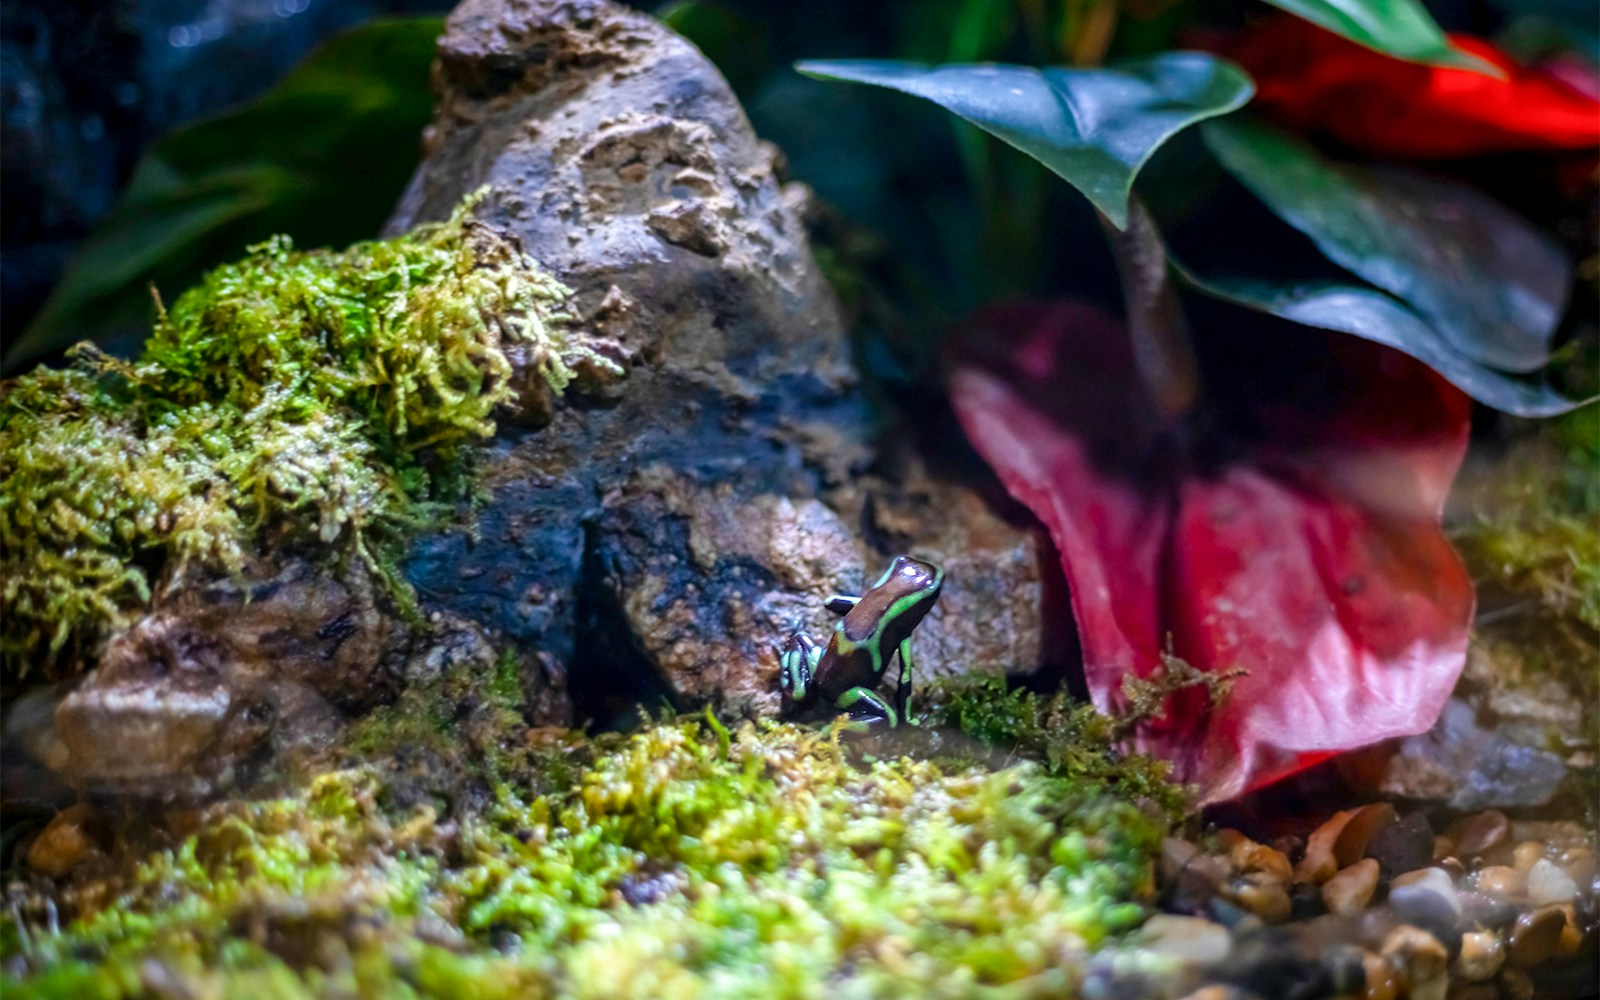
(322, 396)
(678, 862)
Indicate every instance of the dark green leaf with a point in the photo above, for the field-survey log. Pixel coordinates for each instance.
(1491, 284)
(1372, 315)
(322, 157)
(1093, 127)
(1400, 28)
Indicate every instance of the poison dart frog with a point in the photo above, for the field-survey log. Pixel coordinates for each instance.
(874, 627)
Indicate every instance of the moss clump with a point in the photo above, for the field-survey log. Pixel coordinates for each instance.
(1072, 739)
(323, 396)
(679, 862)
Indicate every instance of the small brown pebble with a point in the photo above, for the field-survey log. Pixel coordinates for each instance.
(1248, 856)
(1443, 847)
(1349, 892)
(1452, 867)
(1579, 864)
(1352, 841)
(67, 841)
(1190, 940)
(1175, 854)
(1420, 961)
(1262, 895)
(1515, 985)
(1481, 956)
(1318, 865)
(1535, 936)
(1480, 833)
(1382, 983)
(1527, 855)
(1571, 941)
(1499, 880)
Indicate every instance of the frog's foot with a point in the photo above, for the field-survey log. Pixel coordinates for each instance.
(866, 709)
(841, 604)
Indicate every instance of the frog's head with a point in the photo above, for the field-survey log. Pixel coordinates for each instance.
(794, 669)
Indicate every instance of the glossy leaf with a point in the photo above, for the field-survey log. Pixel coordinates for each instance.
(1296, 540)
(1492, 285)
(1095, 128)
(1372, 315)
(1400, 28)
(322, 157)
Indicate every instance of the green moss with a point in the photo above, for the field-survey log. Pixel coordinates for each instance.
(676, 863)
(1070, 738)
(326, 398)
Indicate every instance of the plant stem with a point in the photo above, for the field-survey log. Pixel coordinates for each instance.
(1162, 349)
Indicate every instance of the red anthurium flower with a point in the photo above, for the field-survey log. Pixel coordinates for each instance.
(1295, 537)
(1316, 81)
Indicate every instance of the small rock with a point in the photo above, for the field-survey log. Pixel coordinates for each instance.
(1349, 892)
(1480, 833)
(1403, 845)
(1346, 967)
(1190, 940)
(1351, 844)
(1318, 864)
(1443, 847)
(1435, 879)
(1425, 907)
(1420, 961)
(1192, 877)
(1262, 895)
(1579, 864)
(71, 838)
(1547, 883)
(1481, 956)
(1535, 936)
(1515, 985)
(1382, 982)
(1499, 880)
(1484, 910)
(1527, 855)
(1248, 856)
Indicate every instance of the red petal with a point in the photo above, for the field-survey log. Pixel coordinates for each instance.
(1314, 561)
(1317, 81)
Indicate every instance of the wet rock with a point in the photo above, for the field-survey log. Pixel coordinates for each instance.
(1382, 982)
(1536, 936)
(1526, 855)
(1483, 909)
(1262, 895)
(75, 835)
(1189, 940)
(1499, 880)
(1349, 891)
(1460, 763)
(1476, 836)
(1430, 906)
(1357, 832)
(1419, 960)
(1482, 954)
(1192, 877)
(1248, 856)
(1319, 864)
(1402, 846)
(1547, 883)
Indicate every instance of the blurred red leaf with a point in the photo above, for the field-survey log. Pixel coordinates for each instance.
(1305, 550)
(1315, 81)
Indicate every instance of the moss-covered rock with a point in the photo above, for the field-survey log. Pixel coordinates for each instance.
(311, 396)
(681, 861)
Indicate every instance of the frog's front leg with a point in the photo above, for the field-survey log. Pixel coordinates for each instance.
(797, 663)
(902, 694)
(865, 707)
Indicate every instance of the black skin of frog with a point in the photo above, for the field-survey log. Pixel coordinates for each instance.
(875, 628)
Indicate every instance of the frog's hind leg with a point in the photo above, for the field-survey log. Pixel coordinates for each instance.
(902, 694)
(865, 708)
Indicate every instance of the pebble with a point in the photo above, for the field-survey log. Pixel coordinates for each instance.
(1348, 892)
(1262, 895)
(1515, 985)
(1547, 883)
(1402, 846)
(1346, 968)
(1350, 845)
(1485, 910)
(1499, 880)
(1436, 880)
(1318, 865)
(1248, 856)
(1191, 940)
(1382, 983)
(1443, 847)
(1480, 833)
(1481, 956)
(1579, 863)
(1535, 936)
(1420, 961)
(66, 842)
(1526, 855)
(1195, 877)
(1428, 909)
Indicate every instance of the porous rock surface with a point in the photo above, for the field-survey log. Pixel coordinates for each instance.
(648, 541)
